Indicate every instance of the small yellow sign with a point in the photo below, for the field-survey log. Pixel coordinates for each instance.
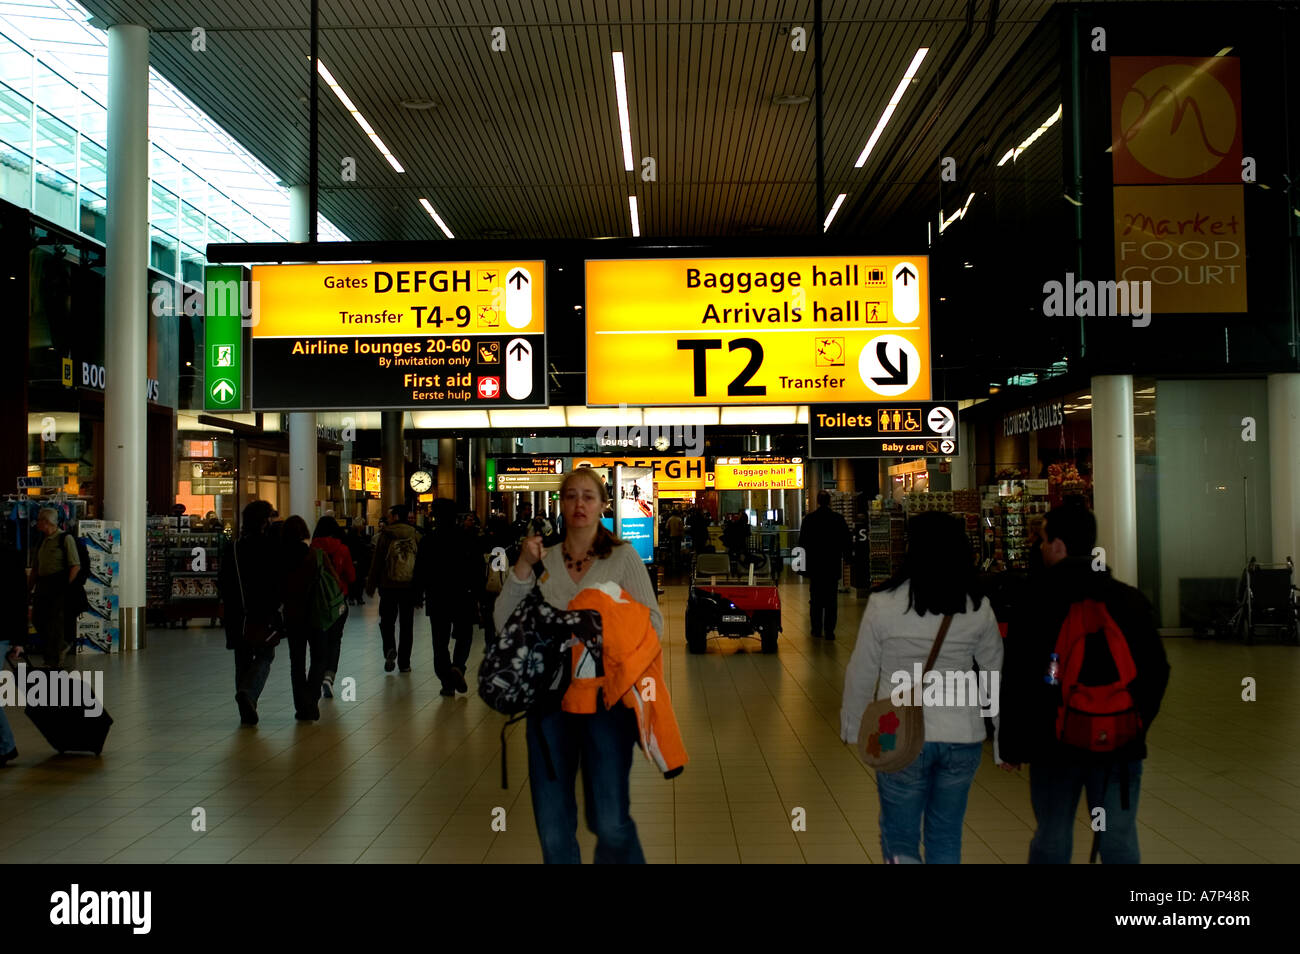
(670, 473)
(758, 476)
(67, 372)
(758, 331)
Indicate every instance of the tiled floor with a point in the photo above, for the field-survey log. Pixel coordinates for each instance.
(404, 775)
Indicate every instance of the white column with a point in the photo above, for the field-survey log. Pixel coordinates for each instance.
(126, 323)
(1283, 453)
(1114, 475)
(302, 426)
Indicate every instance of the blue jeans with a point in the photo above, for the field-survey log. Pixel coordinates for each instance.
(1054, 791)
(602, 744)
(7, 743)
(933, 787)
(252, 670)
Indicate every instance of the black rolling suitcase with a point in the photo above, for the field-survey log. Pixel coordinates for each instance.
(71, 728)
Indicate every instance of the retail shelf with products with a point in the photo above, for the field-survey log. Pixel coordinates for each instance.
(190, 585)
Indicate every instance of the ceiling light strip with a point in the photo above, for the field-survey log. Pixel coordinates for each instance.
(636, 218)
(1014, 154)
(625, 125)
(893, 104)
(839, 200)
(437, 218)
(333, 84)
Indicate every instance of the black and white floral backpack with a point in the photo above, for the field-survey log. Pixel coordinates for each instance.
(529, 667)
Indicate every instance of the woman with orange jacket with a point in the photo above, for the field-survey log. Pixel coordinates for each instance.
(600, 741)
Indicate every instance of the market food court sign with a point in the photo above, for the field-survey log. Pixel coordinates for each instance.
(1034, 418)
(1179, 202)
(399, 336)
(757, 330)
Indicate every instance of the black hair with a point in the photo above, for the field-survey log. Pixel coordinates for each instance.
(823, 498)
(256, 518)
(1074, 525)
(939, 567)
(294, 530)
(401, 510)
(327, 527)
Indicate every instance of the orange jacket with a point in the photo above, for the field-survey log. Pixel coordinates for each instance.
(634, 673)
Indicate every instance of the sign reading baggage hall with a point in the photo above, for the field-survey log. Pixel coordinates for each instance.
(757, 331)
(741, 473)
(399, 336)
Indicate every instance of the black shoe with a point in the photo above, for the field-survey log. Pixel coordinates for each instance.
(404, 669)
(830, 637)
(390, 660)
(458, 680)
(247, 711)
(308, 715)
(8, 757)
(447, 691)
(816, 635)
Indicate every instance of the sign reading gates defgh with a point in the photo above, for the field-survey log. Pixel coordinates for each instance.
(884, 429)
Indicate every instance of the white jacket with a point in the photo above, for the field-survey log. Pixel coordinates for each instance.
(895, 639)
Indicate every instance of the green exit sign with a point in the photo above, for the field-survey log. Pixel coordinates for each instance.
(491, 475)
(223, 336)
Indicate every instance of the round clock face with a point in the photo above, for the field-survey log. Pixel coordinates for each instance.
(421, 481)
(661, 443)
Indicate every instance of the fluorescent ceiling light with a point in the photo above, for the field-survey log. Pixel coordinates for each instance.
(775, 414)
(333, 84)
(959, 214)
(446, 420)
(839, 200)
(674, 416)
(437, 218)
(625, 126)
(1014, 154)
(893, 104)
(636, 219)
(527, 417)
(583, 416)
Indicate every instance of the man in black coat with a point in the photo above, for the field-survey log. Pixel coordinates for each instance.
(448, 580)
(826, 541)
(1030, 702)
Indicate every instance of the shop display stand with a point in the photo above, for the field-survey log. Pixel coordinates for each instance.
(887, 543)
(178, 593)
(842, 504)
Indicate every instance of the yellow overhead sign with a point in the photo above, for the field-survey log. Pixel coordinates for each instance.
(670, 473)
(398, 298)
(758, 331)
(757, 476)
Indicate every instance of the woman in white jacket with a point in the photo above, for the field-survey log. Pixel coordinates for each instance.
(898, 629)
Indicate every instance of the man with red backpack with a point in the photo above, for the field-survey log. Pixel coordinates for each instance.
(1083, 675)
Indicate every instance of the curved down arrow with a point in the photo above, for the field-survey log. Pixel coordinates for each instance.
(893, 375)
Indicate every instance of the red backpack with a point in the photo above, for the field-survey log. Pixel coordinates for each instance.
(1094, 717)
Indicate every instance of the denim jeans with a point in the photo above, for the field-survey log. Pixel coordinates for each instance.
(397, 608)
(7, 743)
(602, 744)
(933, 788)
(334, 644)
(306, 681)
(452, 622)
(1054, 789)
(251, 671)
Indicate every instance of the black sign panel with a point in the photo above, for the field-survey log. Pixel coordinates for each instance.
(886, 429)
(434, 372)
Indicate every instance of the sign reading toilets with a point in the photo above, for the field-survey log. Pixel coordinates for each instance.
(746, 331)
(1179, 202)
(389, 336)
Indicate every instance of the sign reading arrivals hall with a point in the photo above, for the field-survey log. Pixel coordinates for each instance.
(886, 429)
(757, 331)
(399, 336)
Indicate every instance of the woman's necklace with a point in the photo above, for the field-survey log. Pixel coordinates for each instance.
(577, 565)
